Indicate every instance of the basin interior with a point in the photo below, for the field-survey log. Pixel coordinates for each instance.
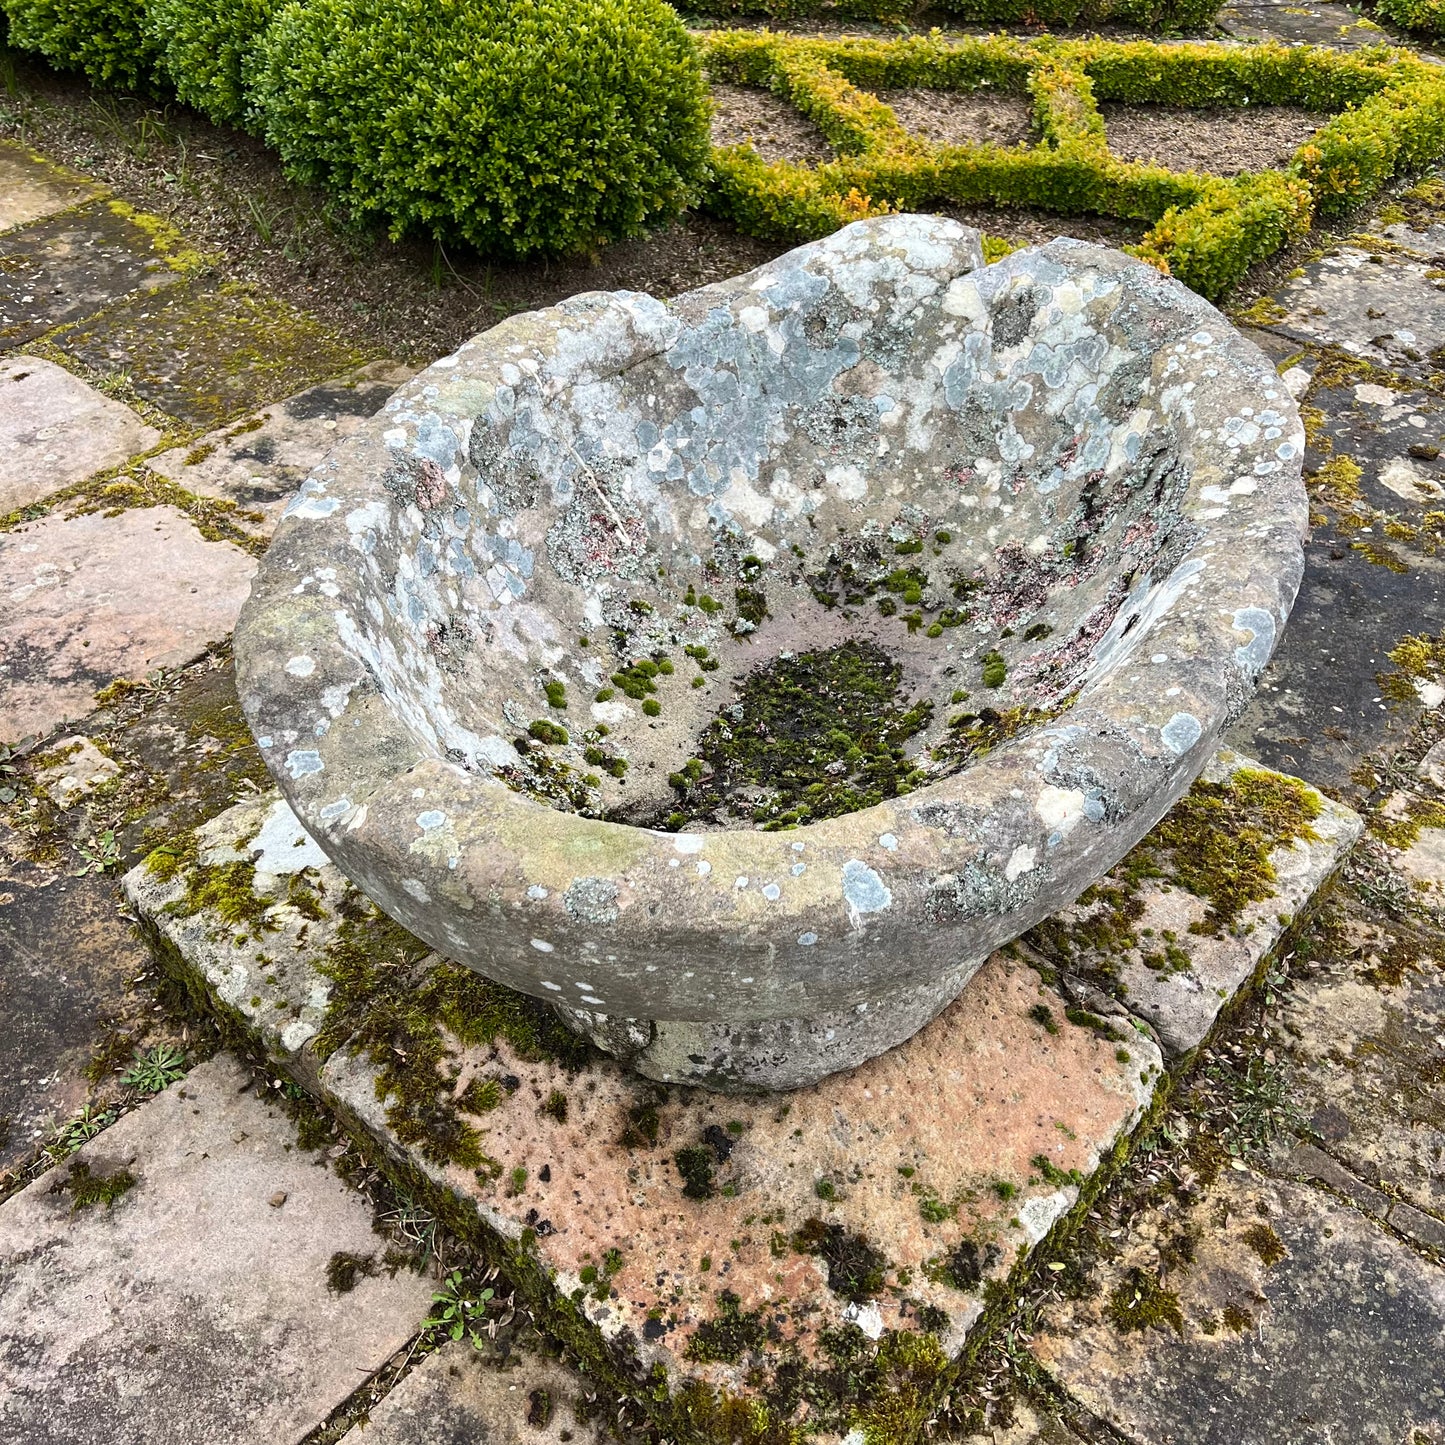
(824, 567)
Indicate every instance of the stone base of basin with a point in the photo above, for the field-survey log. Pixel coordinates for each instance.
(715, 1245)
(782, 1054)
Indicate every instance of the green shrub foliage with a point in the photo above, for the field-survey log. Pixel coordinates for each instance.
(1381, 112)
(106, 39)
(1427, 16)
(204, 46)
(518, 126)
(1146, 14)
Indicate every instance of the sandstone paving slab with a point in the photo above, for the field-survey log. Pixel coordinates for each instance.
(32, 187)
(1366, 1034)
(208, 352)
(88, 599)
(1150, 942)
(1386, 309)
(56, 429)
(1297, 1322)
(68, 961)
(259, 462)
(69, 265)
(458, 1396)
(196, 1308)
(948, 1157)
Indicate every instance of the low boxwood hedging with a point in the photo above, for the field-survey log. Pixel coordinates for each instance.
(1389, 116)
(106, 39)
(520, 127)
(517, 126)
(204, 47)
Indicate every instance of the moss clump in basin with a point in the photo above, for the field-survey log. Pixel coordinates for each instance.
(811, 736)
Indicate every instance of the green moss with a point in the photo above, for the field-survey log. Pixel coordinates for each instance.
(544, 731)
(555, 1107)
(695, 1164)
(801, 717)
(1052, 1174)
(402, 1019)
(87, 1189)
(1043, 1015)
(556, 694)
(1262, 1239)
(855, 1267)
(907, 1372)
(995, 669)
(729, 1335)
(345, 1270)
(1139, 1302)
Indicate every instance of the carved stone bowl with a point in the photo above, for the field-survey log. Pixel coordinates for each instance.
(735, 673)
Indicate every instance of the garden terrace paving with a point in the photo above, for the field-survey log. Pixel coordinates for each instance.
(1358, 1032)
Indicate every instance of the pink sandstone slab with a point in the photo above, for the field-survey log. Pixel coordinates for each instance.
(88, 599)
(55, 430)
(197, 1308)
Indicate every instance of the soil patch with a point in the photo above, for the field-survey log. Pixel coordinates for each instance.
(1224, 140)
(1027, 227)
(745, 113)
(962, 117)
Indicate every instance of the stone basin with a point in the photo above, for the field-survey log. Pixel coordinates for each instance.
(736, 673)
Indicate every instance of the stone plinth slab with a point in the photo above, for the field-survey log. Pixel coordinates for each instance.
(1151, 941)
(86, 600)
(70, 265)
(890, 1198)
(947, 1156)
(55, 430)
(260, 461)
(196, 1307)
(32, 187)
(457, 1396)
(1298, 1321)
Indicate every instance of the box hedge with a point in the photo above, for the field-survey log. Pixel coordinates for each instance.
(517, 126)
(203, 48)
(106, 39)
(1389, 116)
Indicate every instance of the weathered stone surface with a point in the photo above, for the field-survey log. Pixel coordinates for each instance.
(1338, 1338)
(55, 430)
(520, 503)
(69, 961)
(206, 353)
(1193, 970)
(70, 265)
(1367, 1035)
(1392, 314)
(85, 600)
(260, 461)
(32, 187)
(459, 1397)
(193, 1310)
(79, 768)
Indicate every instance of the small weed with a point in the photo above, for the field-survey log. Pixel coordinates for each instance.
(463, 1311)
(100, 855)
(155, 1069)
